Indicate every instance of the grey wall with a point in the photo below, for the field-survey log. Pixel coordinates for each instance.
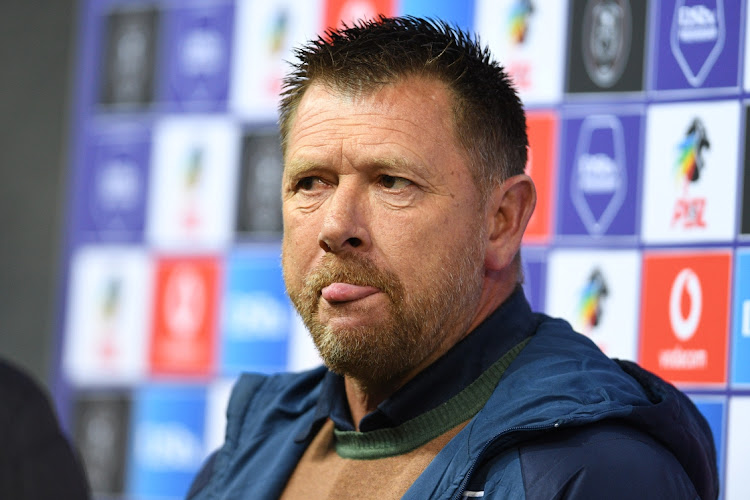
(36, 54)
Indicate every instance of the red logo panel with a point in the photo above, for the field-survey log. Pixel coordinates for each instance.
(185, 316)
(542, 130)
(685, 316)
(348, 11)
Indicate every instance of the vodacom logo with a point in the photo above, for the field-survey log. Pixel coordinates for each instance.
(358, 9)
(185, 302)
(687, 282)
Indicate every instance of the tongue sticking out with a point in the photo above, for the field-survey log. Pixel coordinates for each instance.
(344, 292)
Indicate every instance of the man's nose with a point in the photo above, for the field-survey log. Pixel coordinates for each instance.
(344, 225)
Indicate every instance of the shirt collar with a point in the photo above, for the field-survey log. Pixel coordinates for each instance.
(508, 325)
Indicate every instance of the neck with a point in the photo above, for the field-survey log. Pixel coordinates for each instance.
(364, 399)
(365, 396)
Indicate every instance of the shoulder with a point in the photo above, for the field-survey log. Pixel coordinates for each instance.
(26, 414)
(292, 392)
(36, 459)
(263, 415)
(606, 459)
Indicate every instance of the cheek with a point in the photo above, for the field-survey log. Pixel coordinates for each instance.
(299, 243)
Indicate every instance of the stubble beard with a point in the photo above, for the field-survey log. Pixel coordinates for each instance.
(414, 327)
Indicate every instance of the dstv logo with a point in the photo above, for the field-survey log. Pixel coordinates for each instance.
(168, 446)
(697, 38)
(598, 173)
(257, 316)
(697, 24)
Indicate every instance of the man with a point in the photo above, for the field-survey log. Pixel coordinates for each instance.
(404, 204)
(37, 461)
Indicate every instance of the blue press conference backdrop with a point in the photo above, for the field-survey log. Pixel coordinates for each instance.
(637, 116)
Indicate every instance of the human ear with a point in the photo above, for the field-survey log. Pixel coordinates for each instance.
(509, 208)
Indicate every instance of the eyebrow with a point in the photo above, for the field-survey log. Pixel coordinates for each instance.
(295, 167)
(301, 165)
(401, 164)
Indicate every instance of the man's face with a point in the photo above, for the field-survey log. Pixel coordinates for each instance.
(383, 251)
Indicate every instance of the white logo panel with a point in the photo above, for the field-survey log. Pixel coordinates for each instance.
(689, 192)
(193, 182)
(266, 32)
(109, 302)
(738, 449)
(529, 43)
(597, 292)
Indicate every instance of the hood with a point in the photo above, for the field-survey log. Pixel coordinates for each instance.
(561, 379)
(675, 421)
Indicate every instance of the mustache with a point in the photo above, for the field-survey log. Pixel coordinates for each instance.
(355, 270)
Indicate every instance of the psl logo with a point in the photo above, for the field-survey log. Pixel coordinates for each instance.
(689, 212)
(598, 181)
(277, 39)
(606, 45)
(518, 21)
(110, 306)
(697, 37)
(192, 176)
(590, 304)
(278, 31)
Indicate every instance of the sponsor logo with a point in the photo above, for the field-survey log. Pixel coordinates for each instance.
(690, 212)
(607, 27)
(355, 10)
(100, 433)
(741, 315)
(118, 185)
(686, 288)
(590, 304)
(685, 316)
(184, 302)
(697, 38)
(519, 20)
(168, 446)
(192, 174)
(110, 306)
(685, 310)
(278, 31)
(257, 316)
(131, 48)
(202, 52)
(541, 165)
(746, 318)
(277, 41)
(184, 315)
(599, 184)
